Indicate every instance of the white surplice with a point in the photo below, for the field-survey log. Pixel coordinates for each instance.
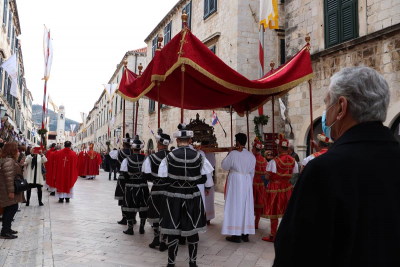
(209, 182)
(210, 209)
(239, 203)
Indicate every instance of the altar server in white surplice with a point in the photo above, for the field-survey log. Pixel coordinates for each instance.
(239, 204)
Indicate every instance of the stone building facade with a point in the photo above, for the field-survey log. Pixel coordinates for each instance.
(369, 35)
(18, 108)
(230, 29)
(100, 122)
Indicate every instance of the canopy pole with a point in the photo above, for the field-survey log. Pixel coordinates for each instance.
(123, 121)
(311, 118)
(273, 125)
(136, 119)
(182, 89)
(248, 132)
(159, 105)
(231, 109)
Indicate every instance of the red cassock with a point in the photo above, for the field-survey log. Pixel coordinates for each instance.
(82, 163)
(66, 170)
(259, 192)
(49, 165)
(92, 164)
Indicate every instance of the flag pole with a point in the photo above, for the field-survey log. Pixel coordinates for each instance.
(221, 126)
(137, 102)
(231, 109)
(311, 107)
(182, 90)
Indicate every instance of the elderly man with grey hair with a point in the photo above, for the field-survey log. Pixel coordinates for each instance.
(345, 208)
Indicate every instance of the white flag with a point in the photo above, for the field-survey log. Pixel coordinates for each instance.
(269, 14)
(110, 92)
(283, 109)
(72, 127)
(11, 67)
(48, 53)
(83, 116)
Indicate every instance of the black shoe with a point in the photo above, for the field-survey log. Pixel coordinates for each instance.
(234, 238)
(13, 232)
(182, 240)
(163, 246)
(115, 179)
(141, 230)
(208, 222)
(192, 264)
(245, 238)
(52, 193)
(61, 200)
(27, 204)
(123, 221)
(67, 200)
(129, 231)
(41, 204)
(8, 235)
(155, 243)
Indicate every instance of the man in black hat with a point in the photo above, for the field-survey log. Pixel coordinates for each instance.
(182, 212)
(136, 191)
(120, 155)
(239, 205)
(150, 170)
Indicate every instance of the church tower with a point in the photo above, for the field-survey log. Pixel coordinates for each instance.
(61, 125)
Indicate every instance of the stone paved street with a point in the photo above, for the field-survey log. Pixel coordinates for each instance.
(85, 233)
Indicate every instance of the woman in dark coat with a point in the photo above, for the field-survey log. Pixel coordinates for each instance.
(9, 170)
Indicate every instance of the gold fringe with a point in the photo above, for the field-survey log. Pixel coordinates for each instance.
(272, 216)
(280, 190)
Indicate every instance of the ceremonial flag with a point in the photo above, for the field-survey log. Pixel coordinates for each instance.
(72, 127)
(51, 102)
(10, 66)
(269, 14)
(283, 109)
(110, 92)
(214, 118)
(48, 53)
(150, 130)
(84, 116)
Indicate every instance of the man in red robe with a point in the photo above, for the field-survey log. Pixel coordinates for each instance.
(259, 192)
(279, 189)
(66, 172)
(49, 165)
(92, 164)
(82, 161)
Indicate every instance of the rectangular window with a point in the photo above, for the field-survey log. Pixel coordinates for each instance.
(5, 84)
(341, 21)
(152, 105)
(16, 44)
(154, 45)
(283, 52)
(120, 106)
(12, 38)
(9, 23)
(1, 76)
(212, 48)
(5, 12)
(167, 33)
(210, 7)
(188, 9)
(116, 105)
(9, 96)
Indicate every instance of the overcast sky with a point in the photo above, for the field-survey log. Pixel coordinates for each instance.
(90, 38)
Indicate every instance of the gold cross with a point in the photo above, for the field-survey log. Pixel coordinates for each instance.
(65, 160)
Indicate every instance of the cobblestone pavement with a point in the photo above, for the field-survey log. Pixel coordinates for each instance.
(84, 232)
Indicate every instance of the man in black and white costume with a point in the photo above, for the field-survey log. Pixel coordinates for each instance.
(120, 155)
(182, 212)
(150, 170)
(136, 189)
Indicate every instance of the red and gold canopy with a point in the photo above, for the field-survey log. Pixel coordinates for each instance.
(208, 83)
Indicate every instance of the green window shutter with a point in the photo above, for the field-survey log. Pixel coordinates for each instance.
(283, 54)
(349, 20)
(341, 21)
(5, 12)
(188, 9)
(116, 106)
(331, 22)
(212, 48)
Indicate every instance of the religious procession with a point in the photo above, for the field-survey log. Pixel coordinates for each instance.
(241, 133)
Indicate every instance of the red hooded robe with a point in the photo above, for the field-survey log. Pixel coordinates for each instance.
(82, 163)
(92, 164)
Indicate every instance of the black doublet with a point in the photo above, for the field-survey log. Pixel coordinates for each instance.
(120, 189)
(136, 188)
(159, 186)
(183, 212)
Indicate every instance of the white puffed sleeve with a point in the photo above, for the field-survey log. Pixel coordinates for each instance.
(124, 166)
(271, 166)
(163, 169)
(146, 167)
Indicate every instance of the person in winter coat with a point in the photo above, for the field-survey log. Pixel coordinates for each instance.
(9, 170)
(33, 173)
